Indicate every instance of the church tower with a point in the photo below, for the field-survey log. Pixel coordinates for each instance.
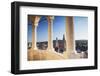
(57, 44)
(64, 42)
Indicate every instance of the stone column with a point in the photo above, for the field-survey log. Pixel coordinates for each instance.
(50, 34)
(35, 20)
(34, 36)
(69, 35)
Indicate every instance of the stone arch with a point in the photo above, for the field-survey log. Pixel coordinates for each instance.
(42, 25)
(35, 21)
(69, 33)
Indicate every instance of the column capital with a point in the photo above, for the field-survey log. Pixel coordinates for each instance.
(52, 17)
(36, 24)
(36, 21)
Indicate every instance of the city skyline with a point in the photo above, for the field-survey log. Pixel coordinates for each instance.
(80, 28)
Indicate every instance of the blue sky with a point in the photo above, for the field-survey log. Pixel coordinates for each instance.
(80, 28)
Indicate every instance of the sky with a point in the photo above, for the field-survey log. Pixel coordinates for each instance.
(80, 28)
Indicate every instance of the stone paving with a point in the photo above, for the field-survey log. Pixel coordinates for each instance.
(49, 55)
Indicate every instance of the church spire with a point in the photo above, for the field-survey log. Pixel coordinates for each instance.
(57, 42)
(64, 42)
(63, 37)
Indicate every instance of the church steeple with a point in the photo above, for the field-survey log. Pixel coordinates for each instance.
(64, 42)
(63, 37)
(57, 42)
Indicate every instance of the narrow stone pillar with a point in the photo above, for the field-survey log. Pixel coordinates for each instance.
(35, 20)
(50, 34)
(69, 35)
(34, 36)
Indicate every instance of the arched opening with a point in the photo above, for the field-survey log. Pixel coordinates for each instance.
(29, 34)
(42, 33)
(59, 42)
(81, 35)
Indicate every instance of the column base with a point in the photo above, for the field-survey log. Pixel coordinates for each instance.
(36, 48)
(50, 49)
